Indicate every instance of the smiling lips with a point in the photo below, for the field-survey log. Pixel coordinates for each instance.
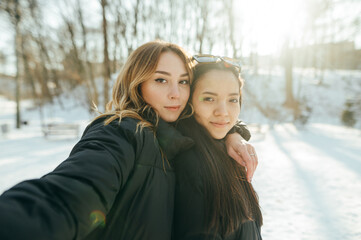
(173, 108)
(219, 124)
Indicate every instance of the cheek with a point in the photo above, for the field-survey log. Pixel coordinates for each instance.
(202, 110)
(185, 93)
(235, 111)
(144, 89)
(144, 93)
(147, 92)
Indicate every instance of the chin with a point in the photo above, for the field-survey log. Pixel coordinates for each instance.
(169, 119)
(218, 136)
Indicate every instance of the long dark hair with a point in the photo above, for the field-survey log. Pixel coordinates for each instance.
(230, 199)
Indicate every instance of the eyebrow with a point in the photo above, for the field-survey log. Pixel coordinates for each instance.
(168, 74)
(214, 94)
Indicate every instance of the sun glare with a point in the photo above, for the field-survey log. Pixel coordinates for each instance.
(268, 23)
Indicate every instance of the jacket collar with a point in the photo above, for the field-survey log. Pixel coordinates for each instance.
(171, 141)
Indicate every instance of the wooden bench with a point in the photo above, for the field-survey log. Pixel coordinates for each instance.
(61, 129)
(4, 128)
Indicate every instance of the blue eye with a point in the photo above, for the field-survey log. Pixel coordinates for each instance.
(234, 100)
(160, 80)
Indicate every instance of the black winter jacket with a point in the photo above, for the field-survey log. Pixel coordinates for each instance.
(114, 185)
(189, 208)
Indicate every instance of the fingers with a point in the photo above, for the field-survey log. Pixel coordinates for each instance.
(248, 158)
(243, 152)
(250, 168)
(236, 156)
(253, 163)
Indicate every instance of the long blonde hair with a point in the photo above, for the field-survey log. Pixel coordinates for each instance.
(127, 100)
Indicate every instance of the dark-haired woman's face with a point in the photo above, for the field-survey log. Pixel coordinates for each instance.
(216, 102)
(167, 91)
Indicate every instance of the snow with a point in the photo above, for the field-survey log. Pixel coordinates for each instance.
(309, 182)
(308, 179)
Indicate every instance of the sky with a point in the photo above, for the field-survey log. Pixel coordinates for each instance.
(269, 22)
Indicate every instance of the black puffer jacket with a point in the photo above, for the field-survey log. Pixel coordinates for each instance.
(114, 185)
(189, 209)
(192, 181)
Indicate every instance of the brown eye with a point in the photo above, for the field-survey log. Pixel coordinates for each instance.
(184, 82)
(161, 80)
(208, 99)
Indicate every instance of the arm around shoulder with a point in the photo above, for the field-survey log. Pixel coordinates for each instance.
(242, 129)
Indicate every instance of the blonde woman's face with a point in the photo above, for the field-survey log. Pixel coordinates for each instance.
(167, 91)
(216, 102)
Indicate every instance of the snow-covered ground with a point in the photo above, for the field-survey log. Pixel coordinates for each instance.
(308, 179)
(309, 182)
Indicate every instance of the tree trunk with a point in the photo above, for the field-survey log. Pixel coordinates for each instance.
(89, 74)
(106, 67)
(202, 25)
(17, 53)
(288, 64)
(231, 20)
(28, 75)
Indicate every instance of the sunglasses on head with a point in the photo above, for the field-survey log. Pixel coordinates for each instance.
(228, 62)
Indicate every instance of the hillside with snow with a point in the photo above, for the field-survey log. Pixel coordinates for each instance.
(309, 175)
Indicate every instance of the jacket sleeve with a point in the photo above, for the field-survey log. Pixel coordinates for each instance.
(242, 129)
(71, 201)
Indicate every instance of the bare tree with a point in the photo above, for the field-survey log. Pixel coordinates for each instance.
(13, 10)
(48, 77)
(3, 61)
(74, 46)
(28, 58)
(287, 60)
(72, 53)
(316, 10)
(235, 44)
(27, 68)
(122, 45)
(106, 66)
(201, 24)
(88, 69)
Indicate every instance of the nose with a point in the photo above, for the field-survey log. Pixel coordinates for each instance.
(221, 109)
(173, 91)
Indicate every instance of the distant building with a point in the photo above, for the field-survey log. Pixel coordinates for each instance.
(340, 55)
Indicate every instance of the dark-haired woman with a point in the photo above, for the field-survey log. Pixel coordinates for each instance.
(213, 199)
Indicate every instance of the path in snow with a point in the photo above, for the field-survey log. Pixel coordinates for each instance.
(308, 181)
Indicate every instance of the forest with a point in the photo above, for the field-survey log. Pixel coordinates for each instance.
(55, 46)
